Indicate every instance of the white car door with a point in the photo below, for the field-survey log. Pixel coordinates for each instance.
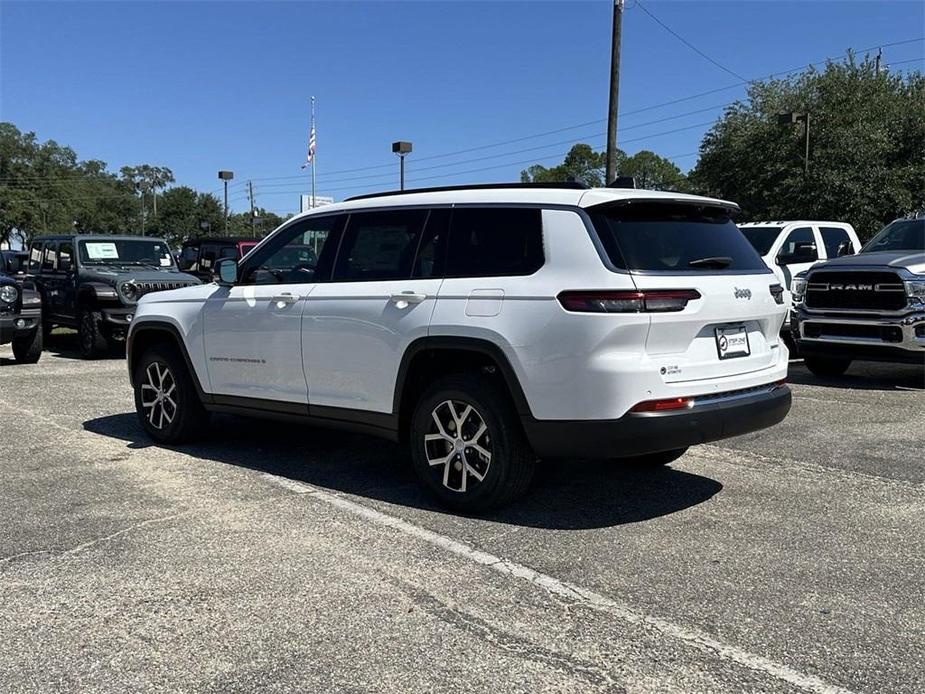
(252, 331)
(357, 327)
(798, 251)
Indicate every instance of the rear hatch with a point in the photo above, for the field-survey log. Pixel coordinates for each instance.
(728, 324)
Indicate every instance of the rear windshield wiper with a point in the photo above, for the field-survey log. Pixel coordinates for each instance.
(718, 262)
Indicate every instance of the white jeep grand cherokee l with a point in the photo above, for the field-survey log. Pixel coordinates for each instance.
(486, 326)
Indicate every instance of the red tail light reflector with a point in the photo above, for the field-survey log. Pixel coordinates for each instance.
(663, 405)
(642, 301)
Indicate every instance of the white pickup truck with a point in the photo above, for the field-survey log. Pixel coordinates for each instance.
(789, 248)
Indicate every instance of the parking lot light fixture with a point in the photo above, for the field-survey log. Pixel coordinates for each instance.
(401, 148)
(226, 176)
(784, 119)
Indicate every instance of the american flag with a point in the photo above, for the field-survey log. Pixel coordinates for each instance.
(310, 157)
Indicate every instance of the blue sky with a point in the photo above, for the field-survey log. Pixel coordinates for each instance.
(209, 85)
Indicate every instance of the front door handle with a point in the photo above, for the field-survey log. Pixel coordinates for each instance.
(285, 298)
(404, 299)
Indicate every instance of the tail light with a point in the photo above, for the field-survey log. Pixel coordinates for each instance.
(663, 405)
(777, 291)
(641, 301)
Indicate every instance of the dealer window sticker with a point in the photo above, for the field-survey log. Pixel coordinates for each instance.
(102, 250)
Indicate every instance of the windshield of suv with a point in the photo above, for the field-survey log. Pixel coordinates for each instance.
(673, 237)
(14, 262)
(146, 252)
(901, 235)
(761, 238)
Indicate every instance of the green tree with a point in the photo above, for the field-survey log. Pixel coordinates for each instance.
(867, 147)
(653, 172)
(581, 164)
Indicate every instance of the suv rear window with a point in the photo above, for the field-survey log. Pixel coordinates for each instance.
(495, 242)
(667, 237)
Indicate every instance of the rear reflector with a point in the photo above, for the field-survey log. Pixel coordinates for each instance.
(643, 301)
(663, 405)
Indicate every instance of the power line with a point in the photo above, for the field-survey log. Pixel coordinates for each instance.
(687, 43)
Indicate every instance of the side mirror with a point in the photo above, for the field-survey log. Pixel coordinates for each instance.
(844, 248)
(227, 271)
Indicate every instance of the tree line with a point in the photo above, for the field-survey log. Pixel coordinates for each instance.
(866, 165)
(866, 160)
(45, 188)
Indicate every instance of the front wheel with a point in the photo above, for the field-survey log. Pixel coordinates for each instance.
(827, 368)
(467, 444)
(166, 400)
(27, 349)
(93, 342)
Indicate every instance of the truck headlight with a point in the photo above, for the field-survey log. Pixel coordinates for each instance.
(9, 294)
(798, 289)
(915, 290)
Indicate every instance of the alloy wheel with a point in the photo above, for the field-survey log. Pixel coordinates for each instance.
(158, 395)
(458, 445)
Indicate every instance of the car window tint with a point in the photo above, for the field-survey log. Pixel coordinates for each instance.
(65, 256)
(799, 240)
(431, 254)
(188, 258)
(35, 257)
(228, 252)
(832, 238)
(494, 242)
(379, 245)
(298, 254)
(50, 257)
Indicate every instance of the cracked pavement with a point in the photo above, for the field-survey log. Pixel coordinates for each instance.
(270, 557)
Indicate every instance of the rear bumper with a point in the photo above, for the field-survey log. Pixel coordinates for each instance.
(710, 419)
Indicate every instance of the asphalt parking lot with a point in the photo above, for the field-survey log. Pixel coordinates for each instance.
(276, 558)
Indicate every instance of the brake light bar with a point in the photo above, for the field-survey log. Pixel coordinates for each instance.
(629, 301)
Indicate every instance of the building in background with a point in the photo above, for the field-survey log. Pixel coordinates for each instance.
(305, 202)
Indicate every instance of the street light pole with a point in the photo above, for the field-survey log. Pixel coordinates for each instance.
(226, 176)
(789, 119)
(614, 91)
(401, 148)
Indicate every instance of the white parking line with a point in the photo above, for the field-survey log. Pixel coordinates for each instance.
(693, 637)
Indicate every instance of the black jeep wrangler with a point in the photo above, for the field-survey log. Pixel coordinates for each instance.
(20, 318)
(92, 283)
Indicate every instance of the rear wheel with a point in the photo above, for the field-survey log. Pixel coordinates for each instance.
(27, 349)
(166, 399)
(467, 444)
(93, 342)
(827, 368)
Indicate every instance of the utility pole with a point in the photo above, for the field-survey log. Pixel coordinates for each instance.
(250, 192)
(224, 177)
(879, 58)
(614, 91)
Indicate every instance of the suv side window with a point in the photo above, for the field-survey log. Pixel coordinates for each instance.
(66, 256)
(50, 257)
(208, 256)
(799, 246)
(495, 242)
(379, 245)
(431, 255)
(188, 258)
(832, 238)
(301, 253)
(35, 258)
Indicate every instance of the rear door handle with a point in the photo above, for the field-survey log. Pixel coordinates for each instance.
(403, 299)
(285, 298)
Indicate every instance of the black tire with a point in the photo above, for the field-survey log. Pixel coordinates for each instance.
(824, 367)
(655, 460)
(27, 349)
(93, 342)
(507, 471)
(186, 418)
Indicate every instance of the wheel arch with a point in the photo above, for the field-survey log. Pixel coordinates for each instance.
(145, 335)
(428, 357)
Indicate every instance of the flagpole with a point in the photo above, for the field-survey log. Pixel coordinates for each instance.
(313, 154)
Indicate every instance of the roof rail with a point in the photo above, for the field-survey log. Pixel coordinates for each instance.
(570, 185)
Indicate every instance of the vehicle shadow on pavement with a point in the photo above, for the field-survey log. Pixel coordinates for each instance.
(564, 494)
(864, 376)
(65, 346)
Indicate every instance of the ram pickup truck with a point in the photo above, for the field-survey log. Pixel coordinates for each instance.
(869, 306)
